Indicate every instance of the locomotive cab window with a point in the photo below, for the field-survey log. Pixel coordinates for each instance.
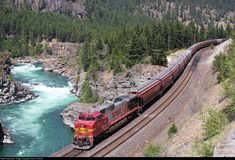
(90, 119)
(112, 107)
(81, 118)
(103, 111)
(133, 103)
(99, 118)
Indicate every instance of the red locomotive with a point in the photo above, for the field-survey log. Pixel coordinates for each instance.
(107, 117)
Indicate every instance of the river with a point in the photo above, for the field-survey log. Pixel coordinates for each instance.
(36, 126)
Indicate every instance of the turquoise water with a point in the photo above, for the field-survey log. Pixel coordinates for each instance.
(36, 126)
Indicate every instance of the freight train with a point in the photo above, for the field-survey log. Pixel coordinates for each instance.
(107, 117)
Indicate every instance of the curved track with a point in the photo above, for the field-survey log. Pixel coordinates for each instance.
(167, 99)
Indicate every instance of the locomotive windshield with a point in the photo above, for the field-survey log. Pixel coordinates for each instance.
(89, 118)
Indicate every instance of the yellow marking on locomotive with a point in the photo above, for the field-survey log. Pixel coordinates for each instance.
(83, 130)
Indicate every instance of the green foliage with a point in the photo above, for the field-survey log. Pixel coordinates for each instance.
(214, 124)
(10, 77)
(48, 50)
(87, 95)
(152, 150)
(221, 6)
(222, 66)
(206, 150)
(136, 51)
(129, 35)
(172, 130)
(225, 64)
(230, 112)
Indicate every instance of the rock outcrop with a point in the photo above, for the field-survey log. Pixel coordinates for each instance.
(10, 90)
(71, 7)
(13, 92)
(5, 137)
(1, 134)
(71, 113)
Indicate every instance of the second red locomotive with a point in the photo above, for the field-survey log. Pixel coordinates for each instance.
(107, 117)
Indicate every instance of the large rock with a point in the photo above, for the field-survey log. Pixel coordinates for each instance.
(1, 134)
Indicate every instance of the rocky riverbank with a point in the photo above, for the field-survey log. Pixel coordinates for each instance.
(14, 92)
(10, 90)
(5, 137)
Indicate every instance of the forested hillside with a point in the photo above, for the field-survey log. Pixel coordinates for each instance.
(201, 12)
(115, 34)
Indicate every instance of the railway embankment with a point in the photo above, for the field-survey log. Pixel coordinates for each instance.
(199, 135)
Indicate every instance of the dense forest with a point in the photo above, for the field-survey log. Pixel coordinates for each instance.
(115, 35)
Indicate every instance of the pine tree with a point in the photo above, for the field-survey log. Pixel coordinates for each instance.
(136, 51)
(158, 56)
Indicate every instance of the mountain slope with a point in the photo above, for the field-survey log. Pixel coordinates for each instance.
(202, 12)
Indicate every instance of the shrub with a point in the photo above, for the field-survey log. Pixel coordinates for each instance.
(214, 123)
(87, 95)
(172, 130)
(207, 150)
(152, 150)
(222, 66)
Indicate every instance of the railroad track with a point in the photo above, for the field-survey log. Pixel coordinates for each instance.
(165, 101)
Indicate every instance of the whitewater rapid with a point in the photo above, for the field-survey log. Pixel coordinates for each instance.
(36, 125)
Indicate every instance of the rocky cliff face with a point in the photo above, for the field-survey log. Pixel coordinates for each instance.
(10, 90)
(71, 7)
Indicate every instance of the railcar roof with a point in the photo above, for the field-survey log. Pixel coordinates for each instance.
(179, 60)
(150, 82)
(124, 98)
(159, 76)
(102, 106)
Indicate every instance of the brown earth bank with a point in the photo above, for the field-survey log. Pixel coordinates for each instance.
(184, 143)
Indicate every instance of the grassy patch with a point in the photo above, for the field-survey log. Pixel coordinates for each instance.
(152, 150)
(172, 130)
(207, 150)
(230, 112)
(215, 123)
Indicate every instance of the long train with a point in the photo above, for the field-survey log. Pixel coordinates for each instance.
(107, 117)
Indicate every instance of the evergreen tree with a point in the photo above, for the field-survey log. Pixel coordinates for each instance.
(136, 51)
